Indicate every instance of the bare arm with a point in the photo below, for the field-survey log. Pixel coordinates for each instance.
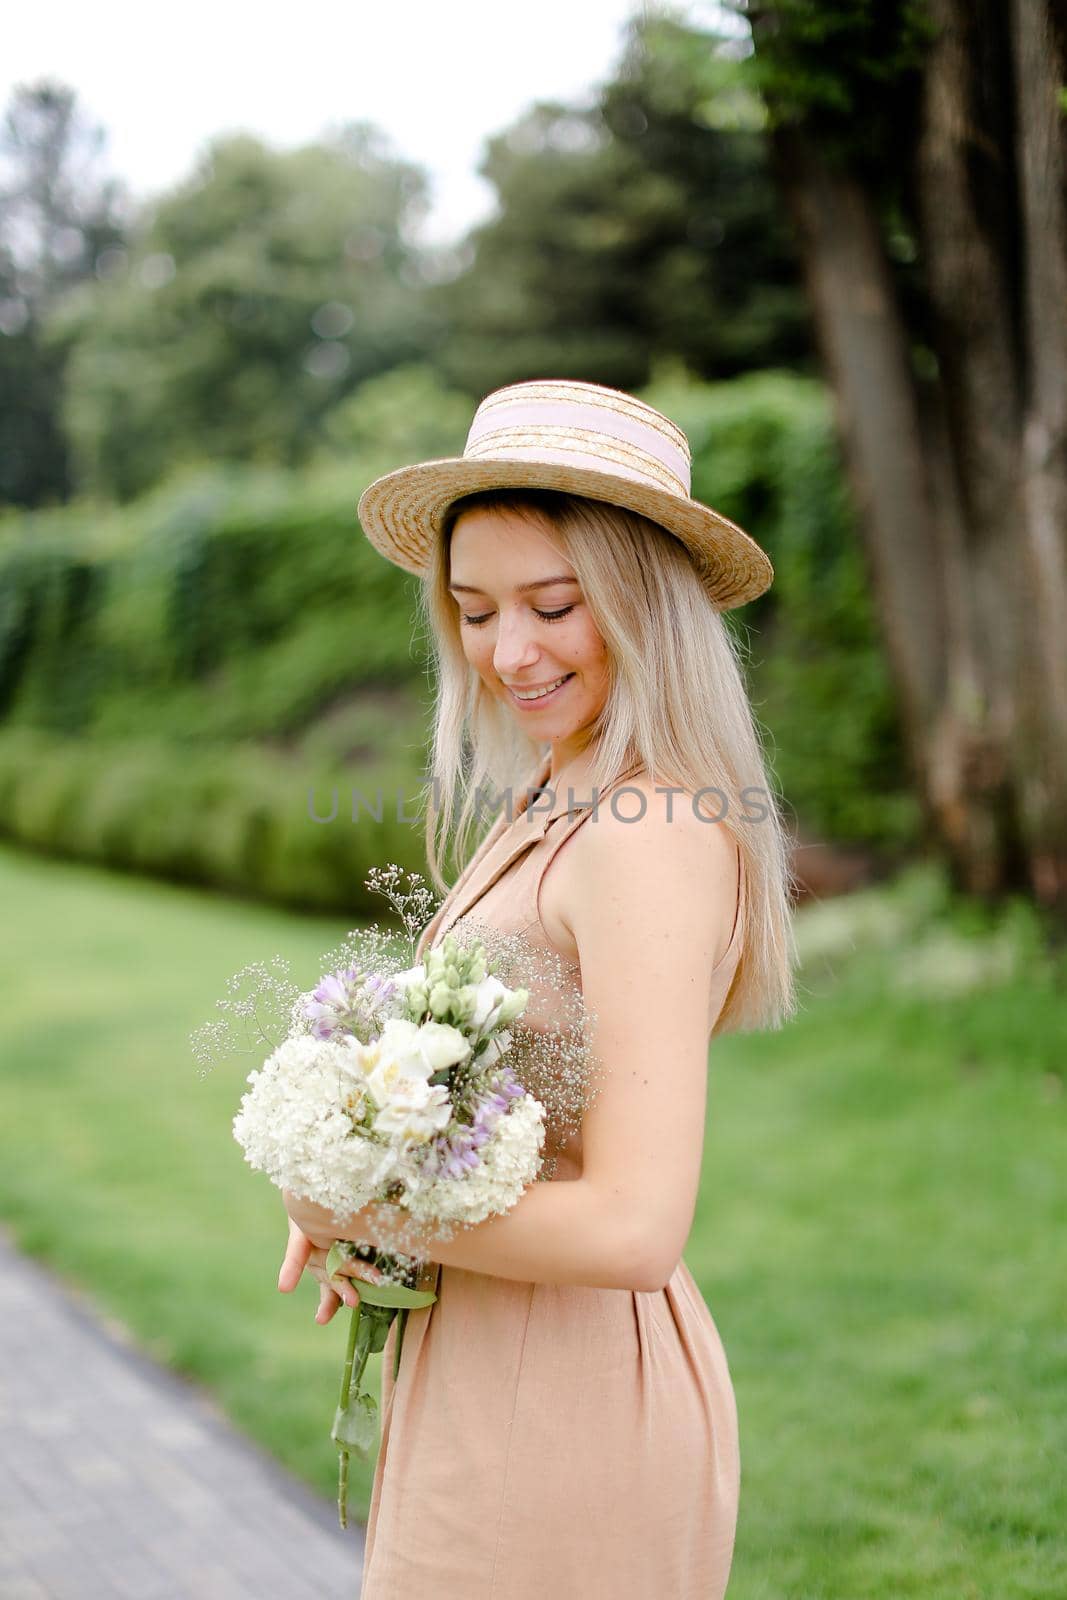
(556, 1233)
(650, 904)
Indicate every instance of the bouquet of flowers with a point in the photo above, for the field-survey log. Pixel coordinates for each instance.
(392, 1084)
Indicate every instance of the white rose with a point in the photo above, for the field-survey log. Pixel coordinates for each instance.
(408, 1050)
(415, 1111)
(487, 996)
(495, 1048)
(409, 976)
(354, 1059)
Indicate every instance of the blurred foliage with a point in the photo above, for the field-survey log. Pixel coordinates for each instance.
(644, 227)
(407, 414)
(238, 604)
(235, 317)
(60, 221)
(241, 609)
(234, 816)
(260, 292)
(847, 70)
(765, 455)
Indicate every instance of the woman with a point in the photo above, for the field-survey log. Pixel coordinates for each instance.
(563, 1421)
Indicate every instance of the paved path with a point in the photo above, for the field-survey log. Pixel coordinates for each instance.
(157, 1497)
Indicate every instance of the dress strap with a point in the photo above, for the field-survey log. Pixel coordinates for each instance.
(493, 855)
(572, 817)
(574, 820)
(507, 841)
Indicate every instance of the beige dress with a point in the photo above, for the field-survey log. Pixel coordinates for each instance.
(549, 1441)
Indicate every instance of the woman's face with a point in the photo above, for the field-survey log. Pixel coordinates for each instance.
(525, 625)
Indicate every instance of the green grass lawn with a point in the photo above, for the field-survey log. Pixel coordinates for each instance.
(880, 1236)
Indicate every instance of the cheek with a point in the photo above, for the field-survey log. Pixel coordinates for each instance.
(589, 649)
(598, 674)
(480, 657)
(472, 648)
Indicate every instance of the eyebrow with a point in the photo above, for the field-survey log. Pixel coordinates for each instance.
(522, 588)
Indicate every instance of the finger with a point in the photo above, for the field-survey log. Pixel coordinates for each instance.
(338, 1291)
(296, 1259)
(353, 1268)
(328, 1303)
(342, 1285)
(349, 1267)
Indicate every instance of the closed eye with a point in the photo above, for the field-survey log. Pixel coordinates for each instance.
(546, 616)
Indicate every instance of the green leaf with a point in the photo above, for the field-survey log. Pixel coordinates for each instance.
(377, 1321)
(356, 1427)
(336, 1257)
(394, 1295)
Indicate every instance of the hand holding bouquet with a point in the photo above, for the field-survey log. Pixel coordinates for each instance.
(393, 1086)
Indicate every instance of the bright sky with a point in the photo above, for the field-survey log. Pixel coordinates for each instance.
(436, 78)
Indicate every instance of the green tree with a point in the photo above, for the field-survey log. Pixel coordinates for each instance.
(405, 414)
(922, 150)
(259, 293)
(62, 223)
(644, 227)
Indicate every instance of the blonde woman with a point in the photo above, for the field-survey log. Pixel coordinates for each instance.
(563, 1422)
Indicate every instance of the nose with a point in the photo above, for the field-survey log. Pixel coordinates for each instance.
(515, 646)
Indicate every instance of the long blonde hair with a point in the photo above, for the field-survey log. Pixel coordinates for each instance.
(676, 703)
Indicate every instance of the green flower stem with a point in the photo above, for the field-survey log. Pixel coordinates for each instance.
(355, 1423)
(346, 1390)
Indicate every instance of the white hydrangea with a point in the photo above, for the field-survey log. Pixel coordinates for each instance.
(510, 1160)
(295, 1124)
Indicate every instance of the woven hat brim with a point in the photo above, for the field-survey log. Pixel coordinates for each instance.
(402, 512)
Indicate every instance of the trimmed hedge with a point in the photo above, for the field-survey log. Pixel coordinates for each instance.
(233, 817)
(175, 658)
(221, 589)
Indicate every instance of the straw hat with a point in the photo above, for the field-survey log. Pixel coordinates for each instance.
(583, 439)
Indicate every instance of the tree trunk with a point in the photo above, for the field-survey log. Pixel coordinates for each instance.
(903, 485)
(966, 221)
(1039, 71)
(960, 481)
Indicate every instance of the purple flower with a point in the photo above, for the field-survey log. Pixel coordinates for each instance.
(348, 1002)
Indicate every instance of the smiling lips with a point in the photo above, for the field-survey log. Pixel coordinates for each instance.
(534, 695)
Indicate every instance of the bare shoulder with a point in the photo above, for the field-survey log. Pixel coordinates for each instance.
(647, 854)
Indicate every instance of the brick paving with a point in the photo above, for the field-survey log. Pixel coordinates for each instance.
(121, 1481)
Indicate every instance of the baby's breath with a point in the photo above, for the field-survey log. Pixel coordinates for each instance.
(550, 1053)
(264, 1005)
(553, 1056)
(413, 904)
(257, 1016)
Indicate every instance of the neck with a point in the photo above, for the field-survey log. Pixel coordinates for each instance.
(569, 777)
